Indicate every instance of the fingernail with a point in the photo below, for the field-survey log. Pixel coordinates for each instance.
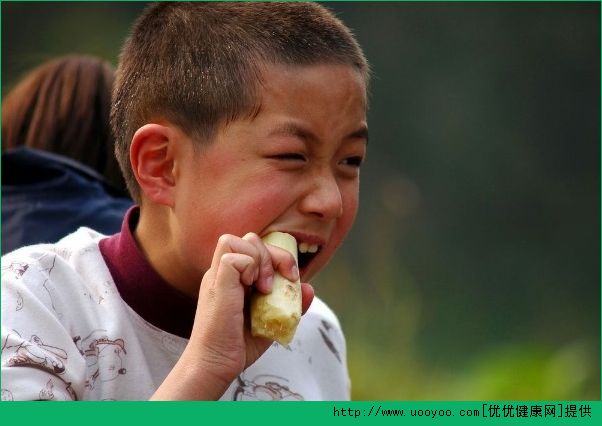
(268, 282)
(295, 272)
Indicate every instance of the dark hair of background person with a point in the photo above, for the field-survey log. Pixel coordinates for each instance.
(59, 170)
(63, 106)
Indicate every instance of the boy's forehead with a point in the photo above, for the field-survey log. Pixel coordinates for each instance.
(285, 91)
(282, 80)
(293, 71)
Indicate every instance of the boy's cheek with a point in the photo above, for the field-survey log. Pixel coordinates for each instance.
(350, 208)
(251, 210)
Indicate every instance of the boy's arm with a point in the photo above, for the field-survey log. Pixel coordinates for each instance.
(221, 345)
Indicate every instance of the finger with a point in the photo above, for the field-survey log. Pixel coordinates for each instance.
(284, 262)
(227, 292)
(232, 244)
(267, 258)
(307, 296)
(240, 268)
(265, 273)
(272, 258)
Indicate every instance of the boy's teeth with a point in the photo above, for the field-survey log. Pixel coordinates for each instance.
(307, 248)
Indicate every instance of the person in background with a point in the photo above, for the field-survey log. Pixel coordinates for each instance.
(59, 171)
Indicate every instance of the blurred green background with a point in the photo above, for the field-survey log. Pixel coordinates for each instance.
(473, 271)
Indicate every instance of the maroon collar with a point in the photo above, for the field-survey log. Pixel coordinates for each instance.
(141, 287)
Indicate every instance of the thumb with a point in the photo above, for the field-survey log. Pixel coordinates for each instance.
(307, 296)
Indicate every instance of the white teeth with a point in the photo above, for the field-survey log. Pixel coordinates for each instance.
(307, 248)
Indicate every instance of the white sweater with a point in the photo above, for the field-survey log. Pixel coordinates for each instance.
(67, 334)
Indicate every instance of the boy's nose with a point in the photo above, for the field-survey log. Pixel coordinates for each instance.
(323, 199)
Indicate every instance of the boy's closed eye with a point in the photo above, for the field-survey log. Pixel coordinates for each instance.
(353, 161)
(289, 156)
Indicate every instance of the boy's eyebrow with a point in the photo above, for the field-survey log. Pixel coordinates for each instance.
(293, 129)
(361, 133)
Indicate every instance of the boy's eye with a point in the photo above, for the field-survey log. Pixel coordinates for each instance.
(289, 156)
(353, 161)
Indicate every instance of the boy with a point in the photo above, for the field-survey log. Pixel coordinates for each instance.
(232, 121)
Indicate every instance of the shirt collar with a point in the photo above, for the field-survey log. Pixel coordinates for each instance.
(141, 287)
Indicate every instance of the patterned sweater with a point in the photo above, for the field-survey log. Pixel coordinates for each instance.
(68, 334)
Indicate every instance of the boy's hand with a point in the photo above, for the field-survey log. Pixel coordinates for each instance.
(221, 345)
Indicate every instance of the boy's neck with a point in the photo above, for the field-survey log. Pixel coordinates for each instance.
(141, 287)
(156, 243)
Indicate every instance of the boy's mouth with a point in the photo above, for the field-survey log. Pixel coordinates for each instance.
(306, 252)
(309, 247)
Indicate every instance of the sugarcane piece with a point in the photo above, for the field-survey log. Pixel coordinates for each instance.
(277, 314)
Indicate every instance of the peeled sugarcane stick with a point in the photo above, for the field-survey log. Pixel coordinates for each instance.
(276, 315)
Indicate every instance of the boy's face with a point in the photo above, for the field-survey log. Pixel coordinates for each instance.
(294, 167)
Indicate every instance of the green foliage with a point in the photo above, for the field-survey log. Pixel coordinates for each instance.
(519, 371)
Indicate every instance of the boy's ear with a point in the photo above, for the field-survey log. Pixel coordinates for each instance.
(151, 156)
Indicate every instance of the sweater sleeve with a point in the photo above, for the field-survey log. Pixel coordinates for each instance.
(40, 360)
